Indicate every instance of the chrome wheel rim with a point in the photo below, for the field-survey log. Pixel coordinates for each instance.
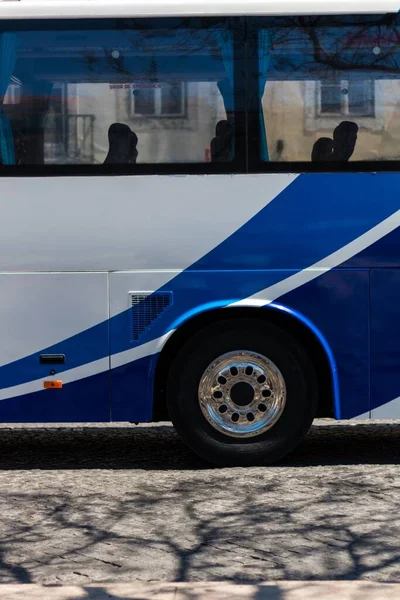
(242, 394)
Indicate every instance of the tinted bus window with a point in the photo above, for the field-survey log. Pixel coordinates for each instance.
(328, 89)
(117, 92)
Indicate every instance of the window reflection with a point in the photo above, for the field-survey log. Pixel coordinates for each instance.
(318, 73)
(167, 83)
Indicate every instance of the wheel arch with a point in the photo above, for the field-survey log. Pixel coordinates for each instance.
(294, 322)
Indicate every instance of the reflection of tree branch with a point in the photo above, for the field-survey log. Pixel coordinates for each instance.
(334, 61)
(342, 35)
(116, 64)
(185, 38)
(90, 60)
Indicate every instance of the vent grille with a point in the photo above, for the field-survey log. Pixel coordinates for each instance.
(146, 307)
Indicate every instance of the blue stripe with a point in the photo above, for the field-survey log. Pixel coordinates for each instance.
(312, 218)
(86, 400)
(86, 346)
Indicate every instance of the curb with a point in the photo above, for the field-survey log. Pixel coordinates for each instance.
(280, 590)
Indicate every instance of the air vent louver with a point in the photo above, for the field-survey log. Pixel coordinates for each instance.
(146, 307)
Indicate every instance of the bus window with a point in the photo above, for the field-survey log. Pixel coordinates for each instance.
(328, 88)
(70, 88)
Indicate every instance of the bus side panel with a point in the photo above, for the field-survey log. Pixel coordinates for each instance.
(385, 343)
(337, 303)
(132, 377)
(60, 314)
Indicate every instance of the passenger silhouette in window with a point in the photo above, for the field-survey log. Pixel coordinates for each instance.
(344, 140)
(339, 149)
(322, 150)
(123, 145)
(221, 144)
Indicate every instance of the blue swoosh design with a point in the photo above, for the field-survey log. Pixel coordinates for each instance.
(313, 217)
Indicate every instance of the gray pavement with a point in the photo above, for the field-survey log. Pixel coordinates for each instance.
(280, 590)
(81, 505)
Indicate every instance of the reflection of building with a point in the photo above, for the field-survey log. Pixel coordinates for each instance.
(174, 121)
(297, 113)
(67, 135)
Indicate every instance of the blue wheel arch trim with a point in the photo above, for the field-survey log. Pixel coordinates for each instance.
(326, 347)
(206, 308)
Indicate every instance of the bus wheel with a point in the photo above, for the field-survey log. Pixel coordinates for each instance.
(242, 392)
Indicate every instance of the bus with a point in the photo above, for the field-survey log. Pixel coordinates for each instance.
(199, 217)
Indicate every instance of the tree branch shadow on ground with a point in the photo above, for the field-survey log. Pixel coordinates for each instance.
(259, 531)
(230, 524)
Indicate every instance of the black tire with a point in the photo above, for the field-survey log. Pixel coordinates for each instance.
(227, 336)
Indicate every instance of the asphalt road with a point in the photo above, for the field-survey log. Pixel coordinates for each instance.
(102, 504)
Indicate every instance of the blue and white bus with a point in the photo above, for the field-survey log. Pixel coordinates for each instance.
(200, 216)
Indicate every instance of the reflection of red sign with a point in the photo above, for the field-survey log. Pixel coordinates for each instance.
(370, 40)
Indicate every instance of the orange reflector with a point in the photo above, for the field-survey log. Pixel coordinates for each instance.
(52, 385)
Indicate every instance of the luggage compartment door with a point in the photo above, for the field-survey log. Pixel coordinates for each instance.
(54, 327)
